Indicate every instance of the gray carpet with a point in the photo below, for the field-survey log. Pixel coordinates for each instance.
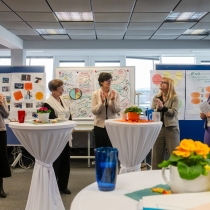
(17, 186)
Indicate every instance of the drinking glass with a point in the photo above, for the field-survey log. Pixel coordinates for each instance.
(106, 162)
(21, 116)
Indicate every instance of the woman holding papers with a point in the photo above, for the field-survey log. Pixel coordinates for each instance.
(105, 105)
(206, 117)
(167, 103)
(4, 163)
(57, 105)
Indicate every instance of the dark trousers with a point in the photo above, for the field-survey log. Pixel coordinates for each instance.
(4, 163)
(101, 137)
(62, 168)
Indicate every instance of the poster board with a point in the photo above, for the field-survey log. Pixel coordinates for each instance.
(85, 80)
(179, 83)
(7, 71)
(192, 127)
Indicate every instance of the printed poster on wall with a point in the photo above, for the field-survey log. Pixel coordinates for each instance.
(197, 92)
(179, 83)
(80, 83)
(27, 92)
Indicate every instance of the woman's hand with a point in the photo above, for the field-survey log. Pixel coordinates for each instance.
(102, 97)
(208, 114)
(202, 116)
(112, 95)
(159, 104)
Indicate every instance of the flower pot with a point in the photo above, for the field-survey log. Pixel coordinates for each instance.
(133, 116)
(43, 117)
(179, 185)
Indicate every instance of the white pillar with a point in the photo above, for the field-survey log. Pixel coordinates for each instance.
(18, 57)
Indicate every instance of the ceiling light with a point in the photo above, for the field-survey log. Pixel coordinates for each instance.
(185, 16)
(197, 31)
(74, 16)
(51, 31)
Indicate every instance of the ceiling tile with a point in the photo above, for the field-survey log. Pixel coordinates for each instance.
(136, 37)
(155, 6)
(74, 37)
(202, 26)
(9, 16)
(164, 37)
(140, 32)
(191, 37)
(193, 6)
(144, 26)
(55, 37)
(14, 25)
(206, 18)
(29, 31)
(110, 32)
(70, 5)
(180, 25)
(3, 7)
(112, 5)
(28, 5)
(111, 26)
(148, 17)
(78, 25)
(37, 16)
(44, 25)
(110, 37)
(112, 17)
(31, 38)
(80, 32)
(170, 32)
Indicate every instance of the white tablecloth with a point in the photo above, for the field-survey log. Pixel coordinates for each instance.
(45, 142)
(133, 140)
(90, 198)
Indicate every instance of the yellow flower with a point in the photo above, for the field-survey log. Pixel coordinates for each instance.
(182, 152)
(207, 167)
(201, 149)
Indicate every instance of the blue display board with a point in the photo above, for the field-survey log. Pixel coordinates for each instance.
(11, 138)
(189, 129)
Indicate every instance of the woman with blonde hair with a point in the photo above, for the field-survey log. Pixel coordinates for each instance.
(167, 103)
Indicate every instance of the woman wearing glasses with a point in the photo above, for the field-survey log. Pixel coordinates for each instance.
(105, 105)
(167, 103)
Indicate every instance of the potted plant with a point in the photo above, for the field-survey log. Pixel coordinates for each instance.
(133, 113)
(189, 167)
(43, 114)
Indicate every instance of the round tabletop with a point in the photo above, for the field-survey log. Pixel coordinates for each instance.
(90, 198)
(29, 125)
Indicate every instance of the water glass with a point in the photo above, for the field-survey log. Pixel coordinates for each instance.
(106, 162)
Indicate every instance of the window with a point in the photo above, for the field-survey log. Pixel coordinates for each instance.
(107, 63)
(178, 60)
(142, 79)
(47, 63)
(5, 61)
(71, 63)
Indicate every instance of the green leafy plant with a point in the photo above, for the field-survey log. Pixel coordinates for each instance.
(135, 109)
(43, 110)
(192, 158)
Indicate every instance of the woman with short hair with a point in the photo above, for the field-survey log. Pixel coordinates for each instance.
(57, 105)
(167, 103)
(105, 105)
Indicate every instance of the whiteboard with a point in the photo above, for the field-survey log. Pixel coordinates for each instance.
(85, 79)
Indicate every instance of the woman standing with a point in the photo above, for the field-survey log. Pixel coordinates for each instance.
(206, 117)
(4, 163)
(105, 105)
(167, 103)
(57, 105)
